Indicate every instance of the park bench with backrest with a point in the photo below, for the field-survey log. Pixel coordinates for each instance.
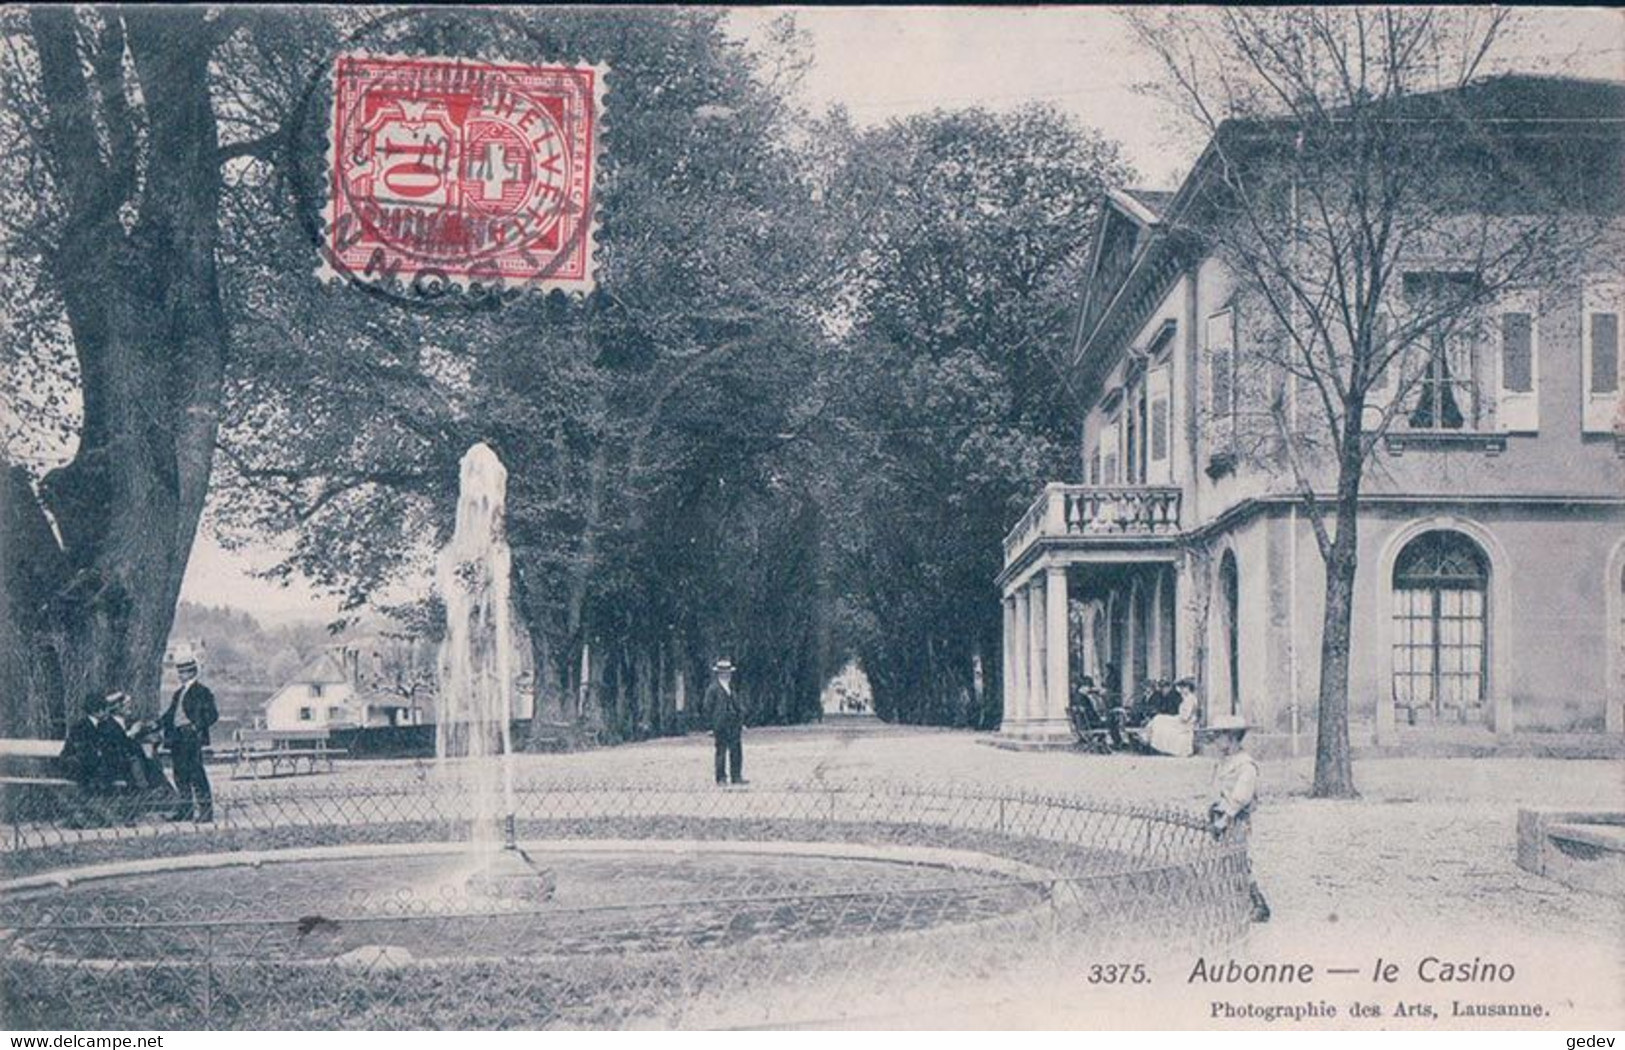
(263, 753)
(34, 785)
(549, 735)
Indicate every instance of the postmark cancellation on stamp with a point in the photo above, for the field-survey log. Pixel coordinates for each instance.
(452, 172)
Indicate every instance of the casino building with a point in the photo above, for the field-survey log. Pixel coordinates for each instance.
(1490, 595)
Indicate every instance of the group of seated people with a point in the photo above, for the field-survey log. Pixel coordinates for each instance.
(114, 760)
(1162, 721)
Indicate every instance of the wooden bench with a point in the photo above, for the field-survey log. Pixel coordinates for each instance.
(264, 753)
(560, 736)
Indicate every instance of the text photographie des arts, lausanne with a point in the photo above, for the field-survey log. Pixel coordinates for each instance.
(610, 517)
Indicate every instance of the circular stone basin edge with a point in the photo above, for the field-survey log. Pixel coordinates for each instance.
(924, 856)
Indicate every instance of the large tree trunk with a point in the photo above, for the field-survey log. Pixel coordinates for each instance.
(144, 310)
(1334, 764)
(32, 570)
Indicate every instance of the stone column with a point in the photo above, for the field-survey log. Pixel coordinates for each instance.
(1190, 631)
(1156, 643)
(1090, 621)
(1036, 645)
(1016, 710)
(1008, 678)
(1127, 676)
(1057, 670)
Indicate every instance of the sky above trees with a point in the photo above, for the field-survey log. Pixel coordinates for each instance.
(882, 63)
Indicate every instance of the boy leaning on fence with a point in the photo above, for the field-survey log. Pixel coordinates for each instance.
(1235, 789)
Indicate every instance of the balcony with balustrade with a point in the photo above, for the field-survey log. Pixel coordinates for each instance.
(1095, 522)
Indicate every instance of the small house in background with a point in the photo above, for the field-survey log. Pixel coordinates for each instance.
(342, 688)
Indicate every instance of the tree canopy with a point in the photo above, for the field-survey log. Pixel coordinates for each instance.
(812, 389)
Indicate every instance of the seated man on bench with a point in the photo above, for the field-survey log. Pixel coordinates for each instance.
(85, 761)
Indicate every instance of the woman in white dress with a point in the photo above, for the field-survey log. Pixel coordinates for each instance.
(1176, 734)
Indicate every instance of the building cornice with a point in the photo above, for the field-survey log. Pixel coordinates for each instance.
(1254, 506)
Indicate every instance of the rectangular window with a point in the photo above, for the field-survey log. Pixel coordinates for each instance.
(1446, 386)
(315, 689)
(1601, 357)
(307, 714)
(1447, 394)
(335, 713)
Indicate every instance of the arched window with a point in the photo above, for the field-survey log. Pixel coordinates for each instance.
(1230, 590)
(1441, 588)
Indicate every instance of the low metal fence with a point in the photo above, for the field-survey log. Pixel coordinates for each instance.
(348, 905)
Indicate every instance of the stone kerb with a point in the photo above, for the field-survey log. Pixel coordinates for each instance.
(1584, 849)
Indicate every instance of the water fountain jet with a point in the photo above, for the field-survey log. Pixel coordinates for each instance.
(473, 737)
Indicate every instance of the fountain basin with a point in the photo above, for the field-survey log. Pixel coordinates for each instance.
(419, 902)
(512, 875)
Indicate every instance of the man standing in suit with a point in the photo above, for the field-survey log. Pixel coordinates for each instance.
(185, 726)
(727, 713)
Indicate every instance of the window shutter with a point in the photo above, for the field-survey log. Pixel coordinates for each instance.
(1461, 351)
(1221, 357)
(1517, 340)
(1601, 357)
(1604, 378)
(1517, 346)
(1381, 390)
(1108, 453)
(1159, 466)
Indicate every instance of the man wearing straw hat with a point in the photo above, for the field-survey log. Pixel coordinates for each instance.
(1235, 788)
(185, 726)
(727, 711)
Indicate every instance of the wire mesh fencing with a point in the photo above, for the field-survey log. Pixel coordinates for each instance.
(358, 904)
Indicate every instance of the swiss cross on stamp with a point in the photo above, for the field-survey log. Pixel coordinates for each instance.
(447, 171)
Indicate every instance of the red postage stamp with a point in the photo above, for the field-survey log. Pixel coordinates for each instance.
(449, 171)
